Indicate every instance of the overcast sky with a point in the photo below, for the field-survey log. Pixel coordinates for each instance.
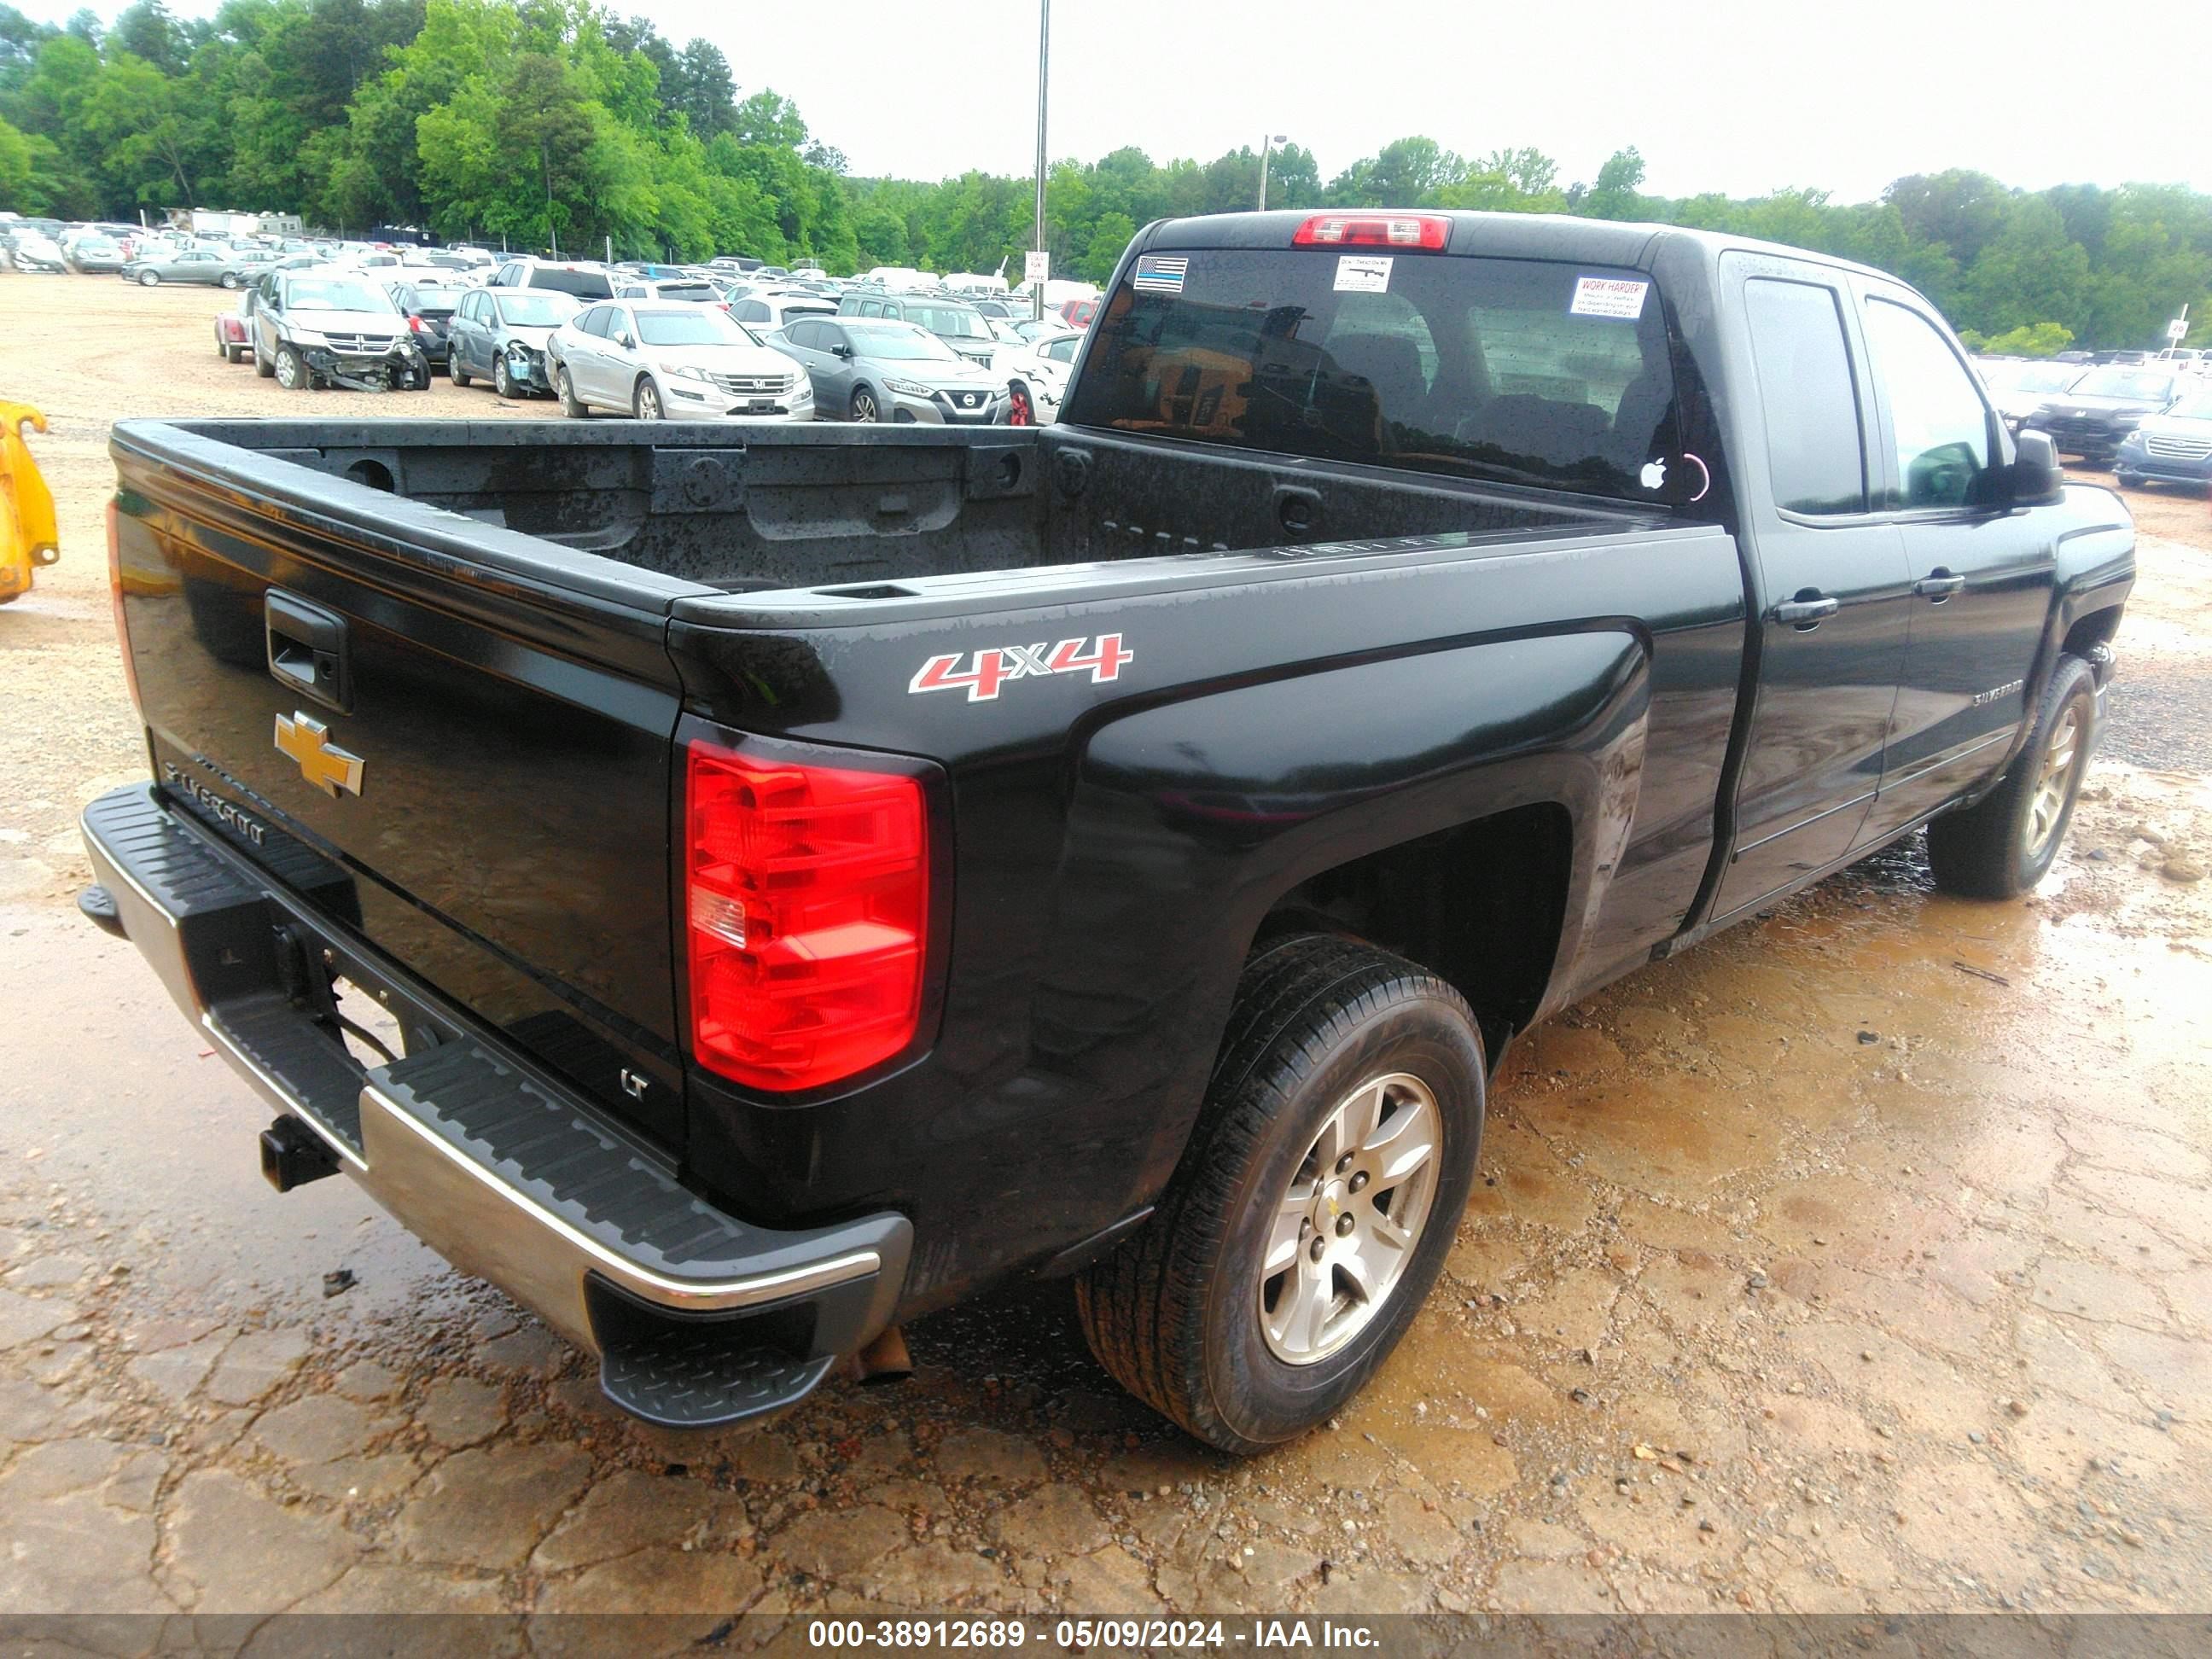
(1742, 96)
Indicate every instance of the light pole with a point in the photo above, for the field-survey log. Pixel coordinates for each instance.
(1265, 142)
(1044, 62)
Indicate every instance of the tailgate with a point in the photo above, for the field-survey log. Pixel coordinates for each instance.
(469, 729)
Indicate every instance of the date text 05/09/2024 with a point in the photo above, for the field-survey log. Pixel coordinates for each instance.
(1086, 1635)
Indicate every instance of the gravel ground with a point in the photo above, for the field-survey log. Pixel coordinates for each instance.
(1859, 1261)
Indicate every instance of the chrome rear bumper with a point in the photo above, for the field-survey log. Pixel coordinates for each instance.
(493, 1161)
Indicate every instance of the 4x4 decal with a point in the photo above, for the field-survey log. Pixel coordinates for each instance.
(994, 665)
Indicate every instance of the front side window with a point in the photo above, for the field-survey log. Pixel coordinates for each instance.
(1940, 425)
(1815, 454)
(1526, 372)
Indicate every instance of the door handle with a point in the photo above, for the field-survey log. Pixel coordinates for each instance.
(1938, 585)
(1805, 611)
(308, 649)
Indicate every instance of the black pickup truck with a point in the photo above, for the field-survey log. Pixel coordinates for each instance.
(740, 891)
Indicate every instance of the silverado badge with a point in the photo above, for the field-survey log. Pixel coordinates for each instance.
(321, 762)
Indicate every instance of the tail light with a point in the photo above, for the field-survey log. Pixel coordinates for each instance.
(806, 914)
(416, 326)
(115, 597)
(1399, 230)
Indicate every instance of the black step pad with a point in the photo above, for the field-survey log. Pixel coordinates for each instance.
(698, 1376)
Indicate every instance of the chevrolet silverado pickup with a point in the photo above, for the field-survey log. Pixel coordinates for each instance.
(738, 890)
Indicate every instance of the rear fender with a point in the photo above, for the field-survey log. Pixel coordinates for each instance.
(1191, 819)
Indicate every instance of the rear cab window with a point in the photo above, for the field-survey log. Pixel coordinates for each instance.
(1514, 371)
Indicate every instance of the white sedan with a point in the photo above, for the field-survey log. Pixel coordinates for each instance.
(672, 362)
(1036, 377)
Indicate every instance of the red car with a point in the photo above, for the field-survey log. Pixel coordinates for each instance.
(234, 336)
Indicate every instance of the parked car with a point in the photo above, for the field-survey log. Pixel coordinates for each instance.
(500, 334)
(684, 290)
(95, 255)
(1036, 378)
(429, 313)
(327, 326)
(875, 370)
(815, 882)
(2175, 446)
(956, 322)
(575, 279)
(673, 363)
(234, 329)
(34, 251)
(205, 266)
(2019, 387)
(2092, 415)
(764, 314)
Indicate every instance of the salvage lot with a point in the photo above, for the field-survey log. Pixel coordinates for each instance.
(1860, 1259)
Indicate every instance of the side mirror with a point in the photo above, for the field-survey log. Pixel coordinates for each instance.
(2038, 480)
(841, 350)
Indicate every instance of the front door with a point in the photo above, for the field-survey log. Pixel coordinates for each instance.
(1831, 583)
(1982, 575)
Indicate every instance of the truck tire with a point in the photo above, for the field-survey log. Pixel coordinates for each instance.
(1237, 1309)
(2003, 844)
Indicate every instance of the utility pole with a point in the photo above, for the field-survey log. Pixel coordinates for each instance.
(1044, 63)
(1265, 142)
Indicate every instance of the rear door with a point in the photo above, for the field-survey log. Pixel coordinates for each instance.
(505, 836)
(1982, 575)
(1831, 575)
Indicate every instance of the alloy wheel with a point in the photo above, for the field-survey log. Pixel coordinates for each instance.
(2061, 757)
(1351, 1219)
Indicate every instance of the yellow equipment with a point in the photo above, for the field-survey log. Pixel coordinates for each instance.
(27, 536)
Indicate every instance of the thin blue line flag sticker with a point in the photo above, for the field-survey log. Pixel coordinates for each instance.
(1156, 274)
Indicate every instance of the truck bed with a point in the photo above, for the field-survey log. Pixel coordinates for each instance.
(816, 506)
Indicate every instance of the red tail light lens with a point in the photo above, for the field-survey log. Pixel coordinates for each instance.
(415, 324)
(1399, 230)
(806, 914)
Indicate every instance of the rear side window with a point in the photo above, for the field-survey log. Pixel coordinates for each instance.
(1815, 455)
(1522, 371)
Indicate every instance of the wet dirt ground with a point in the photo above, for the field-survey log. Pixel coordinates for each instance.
(1860, 1259)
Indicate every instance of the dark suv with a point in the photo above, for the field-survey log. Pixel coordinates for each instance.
(956, 322)
(2093, 415)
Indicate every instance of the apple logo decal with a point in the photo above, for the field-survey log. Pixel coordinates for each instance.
(1654, 476)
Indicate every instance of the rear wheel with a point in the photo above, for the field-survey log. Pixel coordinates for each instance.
(2004, 843)
(1020, 411)
(458, 375)
(864, 405)
(1314, 1206)
(571, 405)
(291, 371)
(230, 280)
(646, 404)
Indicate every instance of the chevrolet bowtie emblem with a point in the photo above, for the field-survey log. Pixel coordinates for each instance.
(321, 762)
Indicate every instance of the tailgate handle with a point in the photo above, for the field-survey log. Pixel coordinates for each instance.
(308, 649)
